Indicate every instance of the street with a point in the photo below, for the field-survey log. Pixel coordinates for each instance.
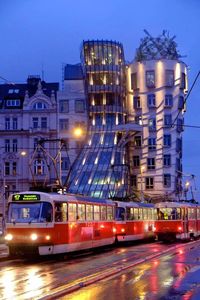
(126, 272)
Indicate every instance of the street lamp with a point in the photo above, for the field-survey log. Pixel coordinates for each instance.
(187, 184)
(78, 131)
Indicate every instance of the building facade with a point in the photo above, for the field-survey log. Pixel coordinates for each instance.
(157, 86)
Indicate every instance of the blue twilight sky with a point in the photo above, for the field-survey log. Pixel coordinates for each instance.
(36, 34)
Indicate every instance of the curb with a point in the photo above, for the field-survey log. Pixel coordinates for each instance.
(64, 290)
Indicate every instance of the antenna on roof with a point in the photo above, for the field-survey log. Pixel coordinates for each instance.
(42, 72)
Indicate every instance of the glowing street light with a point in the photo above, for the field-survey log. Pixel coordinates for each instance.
(78, 132)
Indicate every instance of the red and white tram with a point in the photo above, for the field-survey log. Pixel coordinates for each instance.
(177, 220)
(53, 223)
(134, 221)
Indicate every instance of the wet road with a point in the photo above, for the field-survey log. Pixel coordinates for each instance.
(173, 276)
(40, 279)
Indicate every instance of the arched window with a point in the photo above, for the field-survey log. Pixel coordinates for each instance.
(39, 106)
(39, 167)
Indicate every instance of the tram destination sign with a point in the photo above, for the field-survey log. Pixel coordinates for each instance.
(25, 197)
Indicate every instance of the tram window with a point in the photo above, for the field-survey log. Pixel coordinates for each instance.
(60, 212)
(191, 213)
(109, 213)
(131, 217)
(47, 212)
(145, 214)
(81, 212)
(89, 212)
(155, 214)
(198, 213)
(103, 213)
(72, 212)
(140, 215)
(120, 213)
(150, 214)
(96, 212)
(136, 213)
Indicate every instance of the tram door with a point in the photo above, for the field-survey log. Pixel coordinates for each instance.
(185, 219)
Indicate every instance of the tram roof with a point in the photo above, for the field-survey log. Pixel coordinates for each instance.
(174, 204)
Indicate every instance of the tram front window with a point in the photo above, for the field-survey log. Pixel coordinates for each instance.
(29, 212)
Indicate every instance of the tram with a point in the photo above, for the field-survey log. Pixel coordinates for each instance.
(48, 223)
(177, 220)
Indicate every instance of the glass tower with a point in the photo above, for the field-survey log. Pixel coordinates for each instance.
(100, 169)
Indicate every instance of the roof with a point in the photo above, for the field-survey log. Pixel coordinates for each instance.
(73, 72)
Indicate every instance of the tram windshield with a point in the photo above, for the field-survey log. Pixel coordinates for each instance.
(30, 212)
(169, 213)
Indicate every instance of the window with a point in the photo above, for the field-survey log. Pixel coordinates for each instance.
(150, 79)
(134, 81)
(179, 145)
(167, 180)
(96, 212)
(79, 106)
(64, 106)
(151, 100)
(39, 106)
(7, 145)
(35, 122)
(152, 143)
(138, 141)
(81, 212)
(181, 102)
(167, 140)
(89, 212)
(13, 102)
(136, 161)
(179, 127)
(110, 119)
(169, 80)
(168, 100)
(151, 163)
(149, 183)
(138, 120)
(64, 124)
(72, 215)
(13, 91)
(14, 146)
(133, 181)
(183, 81)
(167, 160)
(39, 167)
(167, 120)
(109, 213)
(14, 123)
(11, 168)
(98, 119)
(44, 122)
(152, 124)
(35, 143)
(103, 213)
(7, 123)
(136, 102)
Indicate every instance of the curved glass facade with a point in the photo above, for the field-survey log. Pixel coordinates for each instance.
(100, 169)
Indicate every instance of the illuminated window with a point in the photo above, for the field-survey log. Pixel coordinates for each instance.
(96, 212)
(72, 214)
(39, 167)
(81, 212)
(109, 213)
(138, 141)
(152, 124)
(89, 212)
(103, 213)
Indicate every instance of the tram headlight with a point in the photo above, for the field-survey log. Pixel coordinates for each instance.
(114, 230)
(9, 237)
(47, 237)
(122, 230)
(34, 236)
(179, 228)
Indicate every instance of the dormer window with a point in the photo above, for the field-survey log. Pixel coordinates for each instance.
(39, 106)
(13, 91)
(13, 102)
